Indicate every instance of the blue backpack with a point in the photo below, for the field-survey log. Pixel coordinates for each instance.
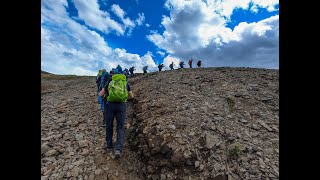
(104, 79)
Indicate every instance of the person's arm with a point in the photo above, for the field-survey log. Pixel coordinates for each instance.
(104, 90)
(102, 93)
(130, 94)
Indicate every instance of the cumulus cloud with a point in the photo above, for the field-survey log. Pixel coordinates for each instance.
(168, 60)
(89, 12)
(224, 8)
(68, 47)
(161, 53)
(198, 29)
(147, 25)
(120, 13)
(140, 19)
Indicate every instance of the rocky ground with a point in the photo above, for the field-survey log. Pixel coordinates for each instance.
(212, 123)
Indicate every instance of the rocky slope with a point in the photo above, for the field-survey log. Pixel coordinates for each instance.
(212, 123)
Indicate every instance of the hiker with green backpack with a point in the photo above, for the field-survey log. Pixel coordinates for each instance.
(116, 92)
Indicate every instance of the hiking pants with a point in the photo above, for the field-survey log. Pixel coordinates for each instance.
(100, 102)
(117, 110)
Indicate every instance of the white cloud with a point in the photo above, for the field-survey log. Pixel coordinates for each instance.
(254, 9)
(168, 60)
(198, 29)
(68, 47)
(224, 8)
(161, 53)
(140, 19)
(147, 25)
(90, 13)
(118, 11)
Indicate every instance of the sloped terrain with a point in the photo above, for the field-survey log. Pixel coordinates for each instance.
(202, 123)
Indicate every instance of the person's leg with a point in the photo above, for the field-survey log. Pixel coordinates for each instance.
(109, 124)
(105, 112)
(121, 118)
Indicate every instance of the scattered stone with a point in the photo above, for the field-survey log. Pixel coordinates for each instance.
(51, 153)
(211, 140)
(264, 125)
(243, 120)
(98, 171)
(196, 164)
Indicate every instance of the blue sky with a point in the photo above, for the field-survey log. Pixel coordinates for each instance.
(82, 36)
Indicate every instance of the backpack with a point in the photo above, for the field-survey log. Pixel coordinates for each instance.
(100, 72)
(144, 68)
(117, 89)
(104, 79)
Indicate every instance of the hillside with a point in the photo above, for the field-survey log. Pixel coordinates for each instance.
(203, 123)
(44, 72)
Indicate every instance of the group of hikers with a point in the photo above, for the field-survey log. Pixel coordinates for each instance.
(113, 93)
(181, 64)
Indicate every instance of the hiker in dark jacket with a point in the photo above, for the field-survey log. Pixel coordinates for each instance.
(118, 110)
(181, 64)
(119, 68)
(99, 82)
(171, 66)
(199, 63)
(145, 69)
(160, 67)
(131, 70)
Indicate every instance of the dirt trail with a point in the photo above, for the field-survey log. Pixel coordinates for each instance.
(72, 135)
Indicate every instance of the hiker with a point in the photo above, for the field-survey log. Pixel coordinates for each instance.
(104, 79)
(199, 63)
(181, 64)
(98, 78)
(171, 66)
(131, 70)
(119, 68)
(126, 73)
(160, 67)
(116, 92)
(190, 63)
(98, 81)
(145, 69)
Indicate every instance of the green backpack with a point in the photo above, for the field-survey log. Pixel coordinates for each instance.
(117, 89)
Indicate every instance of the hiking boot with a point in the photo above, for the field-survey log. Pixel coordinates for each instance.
(117, 154)
(107, 149)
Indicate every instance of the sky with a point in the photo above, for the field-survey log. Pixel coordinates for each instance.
(80, 37)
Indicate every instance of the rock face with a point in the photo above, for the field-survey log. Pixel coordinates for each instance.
(201, 123)
(221, 121)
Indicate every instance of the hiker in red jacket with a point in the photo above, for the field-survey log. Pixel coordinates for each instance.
(190, 63)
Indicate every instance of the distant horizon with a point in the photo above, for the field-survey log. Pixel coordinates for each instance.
(170, 70)
(81, 37)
